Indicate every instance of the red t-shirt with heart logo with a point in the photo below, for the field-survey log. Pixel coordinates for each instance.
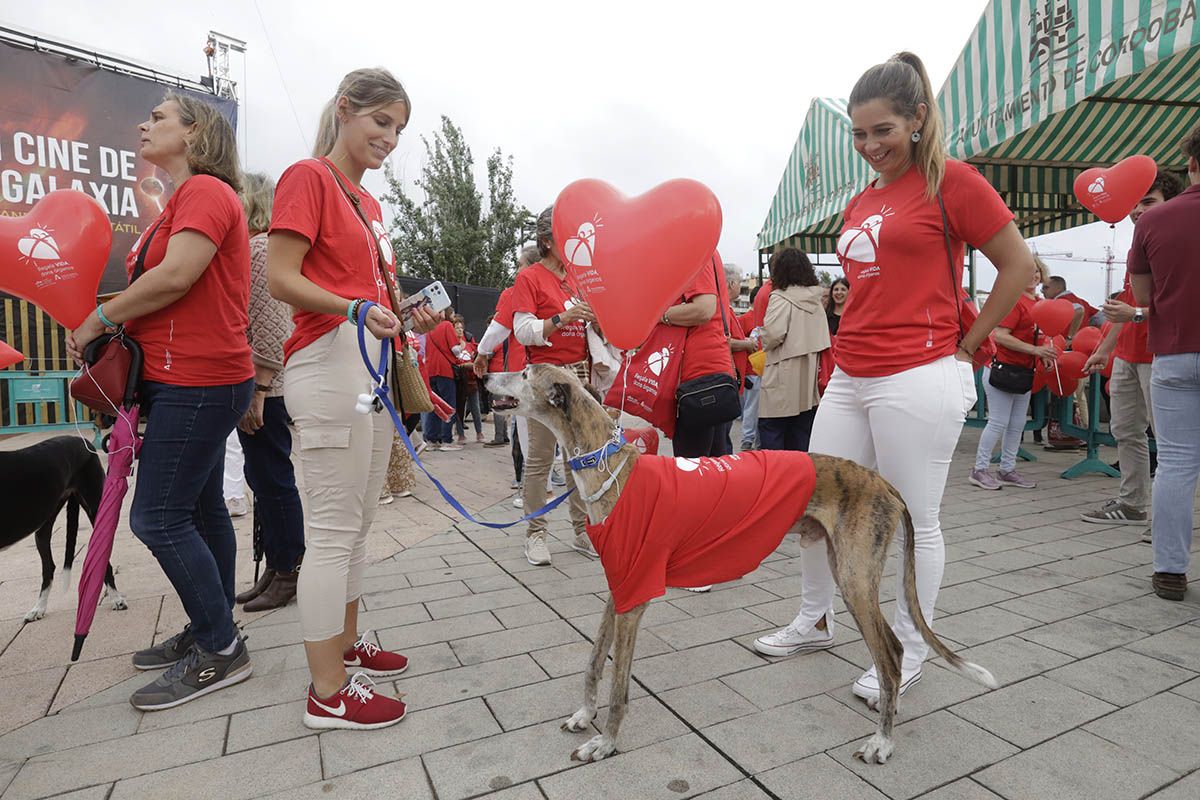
(902, 311)
(200, 339)
(539, 292)
(698, 521)
(342, 257)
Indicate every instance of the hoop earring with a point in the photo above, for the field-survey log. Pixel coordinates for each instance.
(916, 137)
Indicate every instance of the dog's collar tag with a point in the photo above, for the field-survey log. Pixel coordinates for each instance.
(597, 457)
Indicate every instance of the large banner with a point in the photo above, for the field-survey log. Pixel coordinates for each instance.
(70, 125)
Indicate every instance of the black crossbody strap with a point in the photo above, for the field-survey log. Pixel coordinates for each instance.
(140, 265)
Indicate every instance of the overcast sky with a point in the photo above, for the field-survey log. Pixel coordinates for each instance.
(633, 93)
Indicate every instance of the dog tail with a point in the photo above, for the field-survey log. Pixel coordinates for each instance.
(72, 536)
(972, 671)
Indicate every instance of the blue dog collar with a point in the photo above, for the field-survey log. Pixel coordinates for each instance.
(596, 457)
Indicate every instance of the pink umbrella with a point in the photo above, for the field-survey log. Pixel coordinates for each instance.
(123, 446)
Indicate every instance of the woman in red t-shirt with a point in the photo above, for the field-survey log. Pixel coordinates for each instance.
(706, 351)
(466, 384)
(323, 259)
(1018, 345)
(904, 382)
(550, 321)
(186, 306)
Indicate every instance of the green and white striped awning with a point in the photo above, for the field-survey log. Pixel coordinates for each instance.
(822, 174)
(1047, 88)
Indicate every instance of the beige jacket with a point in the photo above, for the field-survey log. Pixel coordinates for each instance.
(794, 333)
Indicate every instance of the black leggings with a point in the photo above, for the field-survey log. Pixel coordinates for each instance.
(695, 441)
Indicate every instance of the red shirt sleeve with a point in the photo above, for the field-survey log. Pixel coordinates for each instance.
(524, 295)
(1136, 262)
(1012, 320)
(702, 283)
(298, 202)
(976, 210)
(504, 308)
(205, 207)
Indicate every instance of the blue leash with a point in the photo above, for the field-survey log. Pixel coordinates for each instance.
(379, 394)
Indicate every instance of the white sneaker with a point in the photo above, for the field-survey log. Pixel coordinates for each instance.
(697, 589)
(867, 686)
(422, 447)
(450, 448)
(518, 502)
(238, 506)
(536, 552)
(583, 544)
(385, 499)
(790, 641)
(405, 493)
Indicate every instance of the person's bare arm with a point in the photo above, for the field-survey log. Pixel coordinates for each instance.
(1014, 264)
(697, 311)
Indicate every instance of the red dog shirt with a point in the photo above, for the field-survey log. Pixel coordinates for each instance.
(698, 521)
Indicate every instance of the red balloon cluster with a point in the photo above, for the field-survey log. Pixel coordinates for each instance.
(1053, 316)
(630, 257)
(54, 255)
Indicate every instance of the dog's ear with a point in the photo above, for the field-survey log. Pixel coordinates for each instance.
(559, 396)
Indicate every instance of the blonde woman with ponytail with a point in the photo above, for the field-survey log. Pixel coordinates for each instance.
(323, 260)
(904, 380)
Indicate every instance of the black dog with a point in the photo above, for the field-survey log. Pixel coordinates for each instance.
(35, 484)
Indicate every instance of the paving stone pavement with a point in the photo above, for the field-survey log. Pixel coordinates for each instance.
(1099, 697)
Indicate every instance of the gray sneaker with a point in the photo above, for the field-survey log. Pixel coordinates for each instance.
(582, 544)
(984, 479)
(1115, 512)
(196, 674)
(166, 652)
(536, 552)
(1017, 480)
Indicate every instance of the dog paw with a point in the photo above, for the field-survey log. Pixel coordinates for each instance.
(579, 720)
(875, 750)
(35, 614)
(594, 749)
(119, 604)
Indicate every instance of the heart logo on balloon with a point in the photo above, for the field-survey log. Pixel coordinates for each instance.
(631, 257)
(1111, 192)
(55, 255)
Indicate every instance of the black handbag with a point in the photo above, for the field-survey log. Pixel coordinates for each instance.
(710, 399)
(1011, 378)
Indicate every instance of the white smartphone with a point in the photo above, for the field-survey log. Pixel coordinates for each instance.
(432, 298)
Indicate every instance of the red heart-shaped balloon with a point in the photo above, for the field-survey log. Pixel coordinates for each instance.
(1053, 316)
(54, 256)
(1111, 192)
(9, 355)
(1086, 340)
(631, 257)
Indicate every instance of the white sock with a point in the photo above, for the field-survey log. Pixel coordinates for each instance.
(228, 651)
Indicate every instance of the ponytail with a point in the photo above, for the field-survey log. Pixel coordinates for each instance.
(903, 81)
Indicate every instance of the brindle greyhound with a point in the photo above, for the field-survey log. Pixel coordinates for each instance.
(851, 505)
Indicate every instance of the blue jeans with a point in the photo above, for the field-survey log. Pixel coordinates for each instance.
(435, 430)
(750, 410)
(1006, 414)
(1175, 396)
(786, 433)
(269, 472)
(178, 508)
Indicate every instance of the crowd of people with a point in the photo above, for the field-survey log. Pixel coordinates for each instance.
(877, 369)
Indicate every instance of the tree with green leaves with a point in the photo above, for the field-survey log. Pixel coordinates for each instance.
(451, 234)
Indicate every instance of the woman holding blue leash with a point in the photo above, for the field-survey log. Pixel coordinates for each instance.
(328, 256)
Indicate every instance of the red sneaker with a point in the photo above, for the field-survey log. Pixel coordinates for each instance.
(371, 659)
(355, 707)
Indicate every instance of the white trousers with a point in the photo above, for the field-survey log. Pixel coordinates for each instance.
(906, 426)
(235, 463)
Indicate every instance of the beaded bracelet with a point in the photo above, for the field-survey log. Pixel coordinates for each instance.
(352, 310)
(104, 320)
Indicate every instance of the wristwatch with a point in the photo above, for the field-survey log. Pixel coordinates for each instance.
(556, 320)
(1139, 315)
